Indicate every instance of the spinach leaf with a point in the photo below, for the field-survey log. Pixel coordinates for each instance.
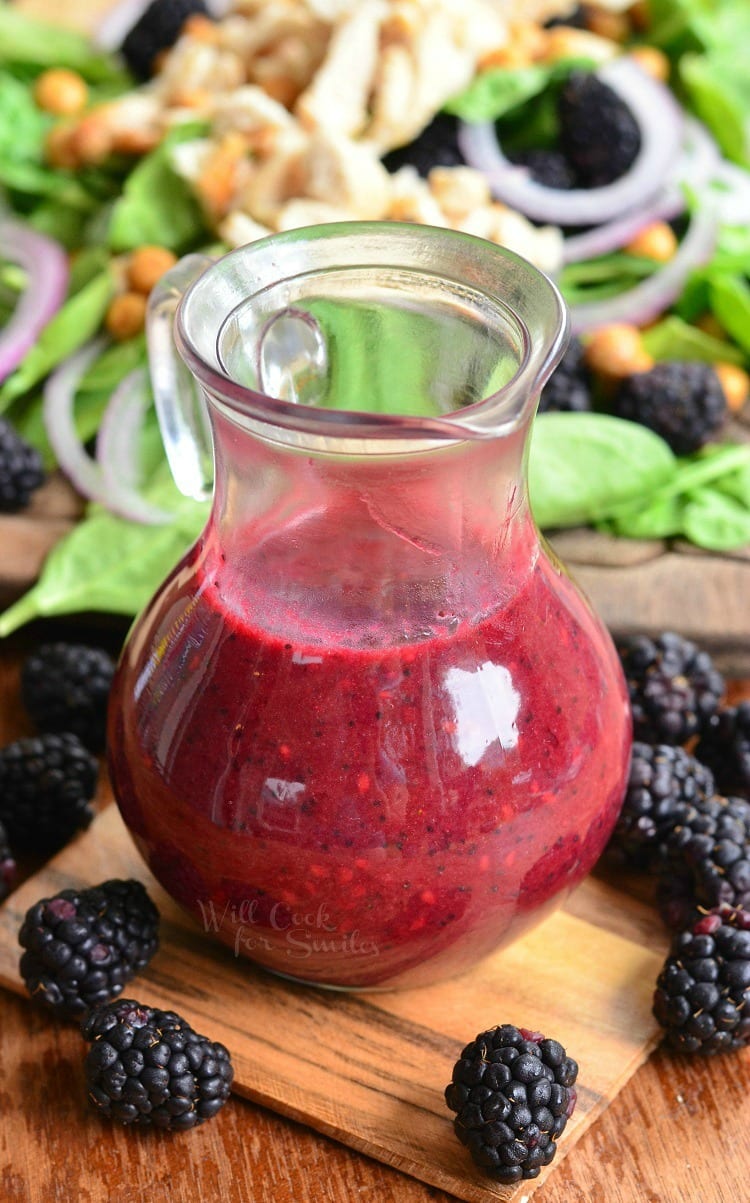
(673, 338)
(34, 44)
(157, 205)
(499, 90)
(76, 322)
(716, 521)
(583, 466)
(107, 563)
(730, 302)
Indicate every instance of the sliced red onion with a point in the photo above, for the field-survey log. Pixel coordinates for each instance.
(699, 162)
(660, 121)
(651, 297)
(117, 448)
(85, 473)
(46, 266)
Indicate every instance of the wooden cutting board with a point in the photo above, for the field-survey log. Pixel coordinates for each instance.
(370, 1069)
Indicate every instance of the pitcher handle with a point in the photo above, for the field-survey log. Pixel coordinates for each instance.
(180, 407)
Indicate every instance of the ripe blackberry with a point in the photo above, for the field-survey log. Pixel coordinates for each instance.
(702, 995)
(21, 469)
(7, 865)
(46, 785)
(65, 687)
(663, 782)
(598, 134)
(547, 167)
(569, 386)
(436, 146)
(708, 854)
(513, 1093)
(157, 29)
(149, 1067)
(82, 946)
(578, 19)
(674, 687)
(725, 747)
(684, 403)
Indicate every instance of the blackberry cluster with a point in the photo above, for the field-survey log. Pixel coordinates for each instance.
(21, 469)
(683, 402)
(598, 133)
(157, 29)
(569, 387)
(674, 687)
(65, 687)
(46, 785)
(702, 995)
(147, 1066)
(709, 854)
(7, 865)
(436, 146)
(513, 1093)
(547, 167)
(82, 946)
(725, 747)
(664, 782)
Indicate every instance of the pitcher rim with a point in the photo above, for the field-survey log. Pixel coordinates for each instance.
(497, 413)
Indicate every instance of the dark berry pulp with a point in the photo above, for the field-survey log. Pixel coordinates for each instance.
(367, 815)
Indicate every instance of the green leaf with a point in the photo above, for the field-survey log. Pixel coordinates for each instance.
(715, 521)
(583, 466)
(107, 563)
(673, 338)
(719, 96)
(730, 302)
(499, 90)
(38, 45)
(649, 519)
(157, 205)
(73, 325)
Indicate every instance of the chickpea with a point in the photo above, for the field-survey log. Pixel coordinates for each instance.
(61, 92)
(147, 266)
(91, 139)
(615, 351)
(651, 60)
(656, 241)
(59, 148)
(736, 384)
(203, 29)
(126, 315)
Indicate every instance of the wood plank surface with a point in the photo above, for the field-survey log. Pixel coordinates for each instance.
(370, 1069)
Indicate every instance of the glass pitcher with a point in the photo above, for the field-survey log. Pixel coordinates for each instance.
(368, 730)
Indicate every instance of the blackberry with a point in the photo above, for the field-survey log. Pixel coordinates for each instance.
(149, 1067)
(7, 865)
(569, 386)
(725, 747)
(65, 687)
(157, 29)
(547, 167)
(436, 146)
(82, 946)
(513, 1093)
(46, 785)
(21, 469)
(598, 133)
(663, 782)
(674, 687)
(683, 402)
(702, 995)
(708, 854)
(578, 19)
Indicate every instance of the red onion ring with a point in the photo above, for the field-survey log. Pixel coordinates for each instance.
(651, 297)
(46, 266)
(85, 473)
(700, 161)
(117, 449)
(659, 119)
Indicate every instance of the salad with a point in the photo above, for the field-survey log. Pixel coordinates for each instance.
(273, 116)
